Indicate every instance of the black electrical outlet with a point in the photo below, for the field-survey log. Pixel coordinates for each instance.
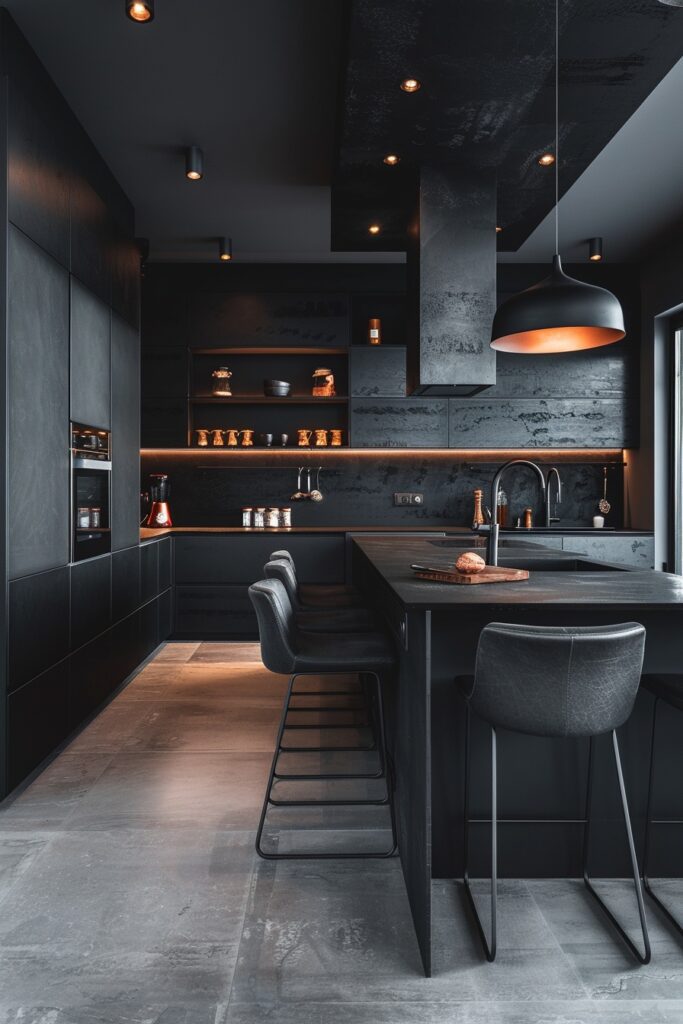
(408, 498)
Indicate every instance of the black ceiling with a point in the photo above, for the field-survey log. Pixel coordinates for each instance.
(487, 100)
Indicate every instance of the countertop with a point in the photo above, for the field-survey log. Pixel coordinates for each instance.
(149, 534)
(574, 585)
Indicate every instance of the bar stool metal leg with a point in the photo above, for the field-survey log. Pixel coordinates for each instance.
(642, 958)
(489, 948)
(648, 830)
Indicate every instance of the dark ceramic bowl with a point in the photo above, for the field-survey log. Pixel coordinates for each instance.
(276, 388)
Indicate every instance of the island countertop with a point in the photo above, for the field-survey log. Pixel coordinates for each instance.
(560, 578)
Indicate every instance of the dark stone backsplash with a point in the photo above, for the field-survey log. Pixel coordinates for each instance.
(360, 491)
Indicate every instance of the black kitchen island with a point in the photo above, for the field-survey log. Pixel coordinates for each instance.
(542, 783)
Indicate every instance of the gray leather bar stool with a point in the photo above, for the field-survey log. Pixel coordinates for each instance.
(669, 690)
(321, 595)
(555, 681)
(287, 649)
(318, 620)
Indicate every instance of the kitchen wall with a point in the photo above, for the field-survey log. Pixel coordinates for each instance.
(70, 339)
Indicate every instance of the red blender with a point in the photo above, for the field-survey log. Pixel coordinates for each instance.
(160, 511)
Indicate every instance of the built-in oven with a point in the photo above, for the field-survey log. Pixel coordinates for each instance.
(90, 491)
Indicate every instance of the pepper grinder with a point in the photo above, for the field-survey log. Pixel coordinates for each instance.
(478, 517)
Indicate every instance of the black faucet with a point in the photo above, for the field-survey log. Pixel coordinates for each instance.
(550, 519)
(492, 545)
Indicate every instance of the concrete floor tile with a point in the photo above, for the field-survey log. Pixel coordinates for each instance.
(102, 1010)
(108, 732)
(49, 800)
(227, 653)
(202, 726)
(174, 650)
(244, 684)
(17, 853)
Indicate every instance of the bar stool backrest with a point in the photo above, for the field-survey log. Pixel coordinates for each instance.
(282, 556)
(277, 629)
(279, 569)
(557, 680)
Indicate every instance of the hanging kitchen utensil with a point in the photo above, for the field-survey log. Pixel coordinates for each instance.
(298, 494)
(316, 494)
(604, 504)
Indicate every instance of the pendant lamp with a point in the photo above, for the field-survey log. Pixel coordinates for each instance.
(559, 314)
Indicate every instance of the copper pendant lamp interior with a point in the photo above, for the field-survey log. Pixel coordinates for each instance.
(559, 314)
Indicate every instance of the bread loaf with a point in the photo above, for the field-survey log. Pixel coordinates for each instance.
(470, 563)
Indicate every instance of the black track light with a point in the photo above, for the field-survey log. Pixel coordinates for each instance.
(194, 163)
(225, 249)
(595, 249)
(140, 11)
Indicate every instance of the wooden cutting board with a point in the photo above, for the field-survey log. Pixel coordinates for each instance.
(491, 574)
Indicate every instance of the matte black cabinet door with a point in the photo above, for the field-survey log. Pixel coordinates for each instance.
(38, 624)
(38, 386)
(125, 278)
(90, 358)
(287, 319)
(377, 371)
(91, 678)
(125, 406)
(37, 721)
(149, 570)
(164, 547)
(126, 652)
(206, 612)
(90, 599)
(90, 232)
(165, 604)
(401, 423)
(240, 559)
(125, 582)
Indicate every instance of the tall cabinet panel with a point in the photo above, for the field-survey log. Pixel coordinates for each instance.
(125, 402)
(90, 358)
(38, 388)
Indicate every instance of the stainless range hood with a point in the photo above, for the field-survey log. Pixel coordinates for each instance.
(452, 284)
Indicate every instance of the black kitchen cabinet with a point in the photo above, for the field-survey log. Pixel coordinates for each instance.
(149, 629)
(38, 624)
(377, 371)
(90, 599)
(212, 612)
(401, 423)
(90, 232)
(91, 358)
(37, 721)
(222, 319)
(125, 405)
(38, 387)
(149, 571)
(125, 278)
(165, 574)
(91, 678)
(240, 558)
(125, 582)
(165, 605)
(125, 650)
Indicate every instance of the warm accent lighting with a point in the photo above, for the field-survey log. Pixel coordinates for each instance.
(140, 10)
(194, 163)
(546, 159)
(296, 456)
(225, 249)
(498, 229)
(374, 229)
(595, 249)
(392, 159)
(411, 84)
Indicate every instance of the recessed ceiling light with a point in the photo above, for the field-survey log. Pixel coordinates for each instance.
(194, 163)
(392, 159)
(374, 229)
(595, 249)
(411, 84)
(498, 229)
(225, 249)
(546, 159)
(140, 10)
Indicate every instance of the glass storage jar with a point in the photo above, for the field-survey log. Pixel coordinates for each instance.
(272, 517)
(259, 518)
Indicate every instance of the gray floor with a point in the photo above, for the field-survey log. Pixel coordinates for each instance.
(130, 892)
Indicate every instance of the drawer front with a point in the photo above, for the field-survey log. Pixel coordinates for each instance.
(213, 612)
(240, 558)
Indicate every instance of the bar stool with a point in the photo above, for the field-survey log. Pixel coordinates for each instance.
(318, 620)
(555, 681)
(667, 688)
(287, 649)
(321, 595)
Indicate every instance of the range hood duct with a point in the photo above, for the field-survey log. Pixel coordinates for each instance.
(452, 284)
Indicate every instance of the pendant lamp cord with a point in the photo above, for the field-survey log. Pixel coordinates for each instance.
(557, 125)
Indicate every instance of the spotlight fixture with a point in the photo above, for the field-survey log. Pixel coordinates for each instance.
(392, 159)
(498, 229)
(225, 249)
(595, 249)
(194, 163)
(559, 314)
(546, 159)
(140, 10)
(374, 229)
(411, 84)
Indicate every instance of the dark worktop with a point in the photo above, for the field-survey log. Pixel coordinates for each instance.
(608, 587)
(151, 534)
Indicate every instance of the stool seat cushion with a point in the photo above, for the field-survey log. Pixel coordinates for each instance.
(348, 652)
(668, 687)
(336, 620)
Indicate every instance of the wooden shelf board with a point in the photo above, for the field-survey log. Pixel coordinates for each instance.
(267, 400)
(269, 351)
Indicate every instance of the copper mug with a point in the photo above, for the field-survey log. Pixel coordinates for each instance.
(247, 438)
(233, 437)
(217, 436)
(304, 438)
(320, 438)
(336, 438)
(203, 438)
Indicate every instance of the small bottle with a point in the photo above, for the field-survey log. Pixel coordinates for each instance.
(272, 517)
(95, 518)
(502, 508)
(259, 518)
(528, 518)
(83, 518)
(285, 518)
(374, 331)
(478, 517)
(247, 516)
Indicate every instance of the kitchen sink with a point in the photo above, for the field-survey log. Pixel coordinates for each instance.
(536, 558)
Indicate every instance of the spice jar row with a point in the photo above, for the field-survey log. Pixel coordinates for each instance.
(234, 438)
(270, 518)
